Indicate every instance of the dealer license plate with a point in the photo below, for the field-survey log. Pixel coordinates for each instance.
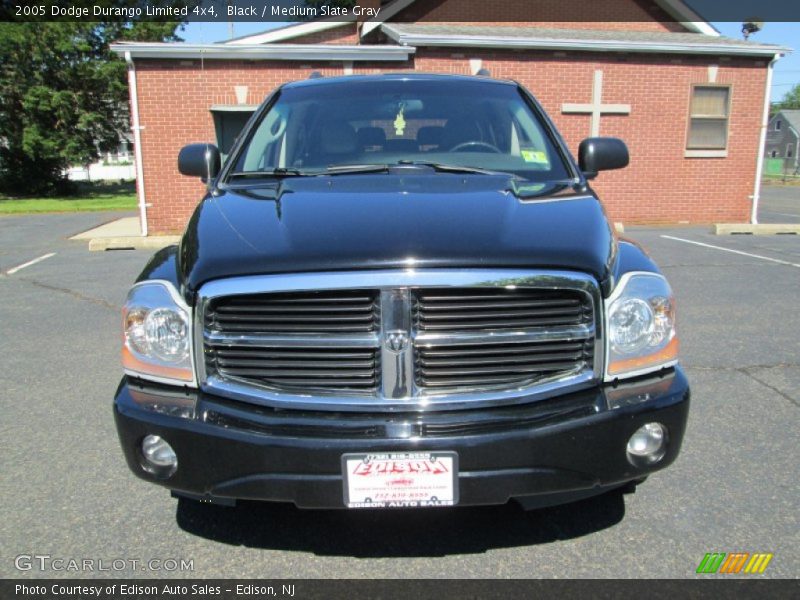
(400, 479)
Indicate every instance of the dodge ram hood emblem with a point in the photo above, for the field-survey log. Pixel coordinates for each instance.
(396, 341)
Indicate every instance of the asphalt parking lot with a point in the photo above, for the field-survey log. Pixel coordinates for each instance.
(67, 492)
(780, 204)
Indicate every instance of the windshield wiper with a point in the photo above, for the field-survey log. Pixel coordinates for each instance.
(352, 169)
(384, 168)
(367, 168)
(279, 172)
(445, 168)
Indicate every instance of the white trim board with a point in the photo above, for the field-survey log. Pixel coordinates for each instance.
(304, 52)
(289, 32)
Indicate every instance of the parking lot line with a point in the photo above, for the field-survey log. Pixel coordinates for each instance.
(704, 245)
(30, 262)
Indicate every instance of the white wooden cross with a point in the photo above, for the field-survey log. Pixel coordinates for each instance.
(596, 108)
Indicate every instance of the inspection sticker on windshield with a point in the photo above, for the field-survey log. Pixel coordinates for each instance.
(534, 156)
(400, 479)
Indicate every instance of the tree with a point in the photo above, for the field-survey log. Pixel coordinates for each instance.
(791, 99)
(63, 97)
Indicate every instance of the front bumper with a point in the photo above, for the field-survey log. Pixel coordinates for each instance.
(549, 451)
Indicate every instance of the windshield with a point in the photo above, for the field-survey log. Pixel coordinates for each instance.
(459, 123)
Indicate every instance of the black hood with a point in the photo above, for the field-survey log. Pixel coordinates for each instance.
(380, 221)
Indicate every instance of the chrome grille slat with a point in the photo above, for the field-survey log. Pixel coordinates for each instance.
(399, 340)
(532, 358)
(490, 294)
(468, 305)
(496, 324)
(292, 341)
(244, 363)
(492, 351)
(566, 312)
(312, 318)
(517, 369)
(309, 298)
(289, 373)
(284, 327)
(577, 332)
(289, 308)
(276, 355)
(314, 298)
(323, 383)
(483, 382)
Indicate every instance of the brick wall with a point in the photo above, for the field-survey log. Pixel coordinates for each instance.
(639, 15)
(344, 34)
(175, 98)
(660, 185)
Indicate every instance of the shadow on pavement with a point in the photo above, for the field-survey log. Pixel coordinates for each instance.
(374, 534)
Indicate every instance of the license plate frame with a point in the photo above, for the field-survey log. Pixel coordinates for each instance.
(400, 479)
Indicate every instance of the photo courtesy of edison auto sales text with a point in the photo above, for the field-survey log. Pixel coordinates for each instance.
(138, 591)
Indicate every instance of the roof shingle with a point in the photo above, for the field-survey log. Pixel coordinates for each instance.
(440, 34)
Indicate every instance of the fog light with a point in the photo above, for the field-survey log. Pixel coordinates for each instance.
(159, 456)
(648, 443)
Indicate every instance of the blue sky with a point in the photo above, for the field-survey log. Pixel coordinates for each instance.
(787, 70)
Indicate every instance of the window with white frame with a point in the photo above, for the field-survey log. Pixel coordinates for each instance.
(778, 125)
(708, 118)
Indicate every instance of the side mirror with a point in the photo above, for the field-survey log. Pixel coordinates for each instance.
(602, 154)
(199, 160)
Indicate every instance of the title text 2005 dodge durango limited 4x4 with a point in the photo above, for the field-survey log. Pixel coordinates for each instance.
(400, 291)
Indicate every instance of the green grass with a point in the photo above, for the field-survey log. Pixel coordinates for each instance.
(88, 197)
(780, 180)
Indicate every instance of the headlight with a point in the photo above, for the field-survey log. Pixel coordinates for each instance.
(640, 321)
(157, 334)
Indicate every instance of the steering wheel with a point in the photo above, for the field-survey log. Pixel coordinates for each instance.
(475, 144)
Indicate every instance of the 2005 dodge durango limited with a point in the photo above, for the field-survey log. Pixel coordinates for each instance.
(400, 291)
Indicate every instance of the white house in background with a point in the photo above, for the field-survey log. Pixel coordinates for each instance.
(111, 165)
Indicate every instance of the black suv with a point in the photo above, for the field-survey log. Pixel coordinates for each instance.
(400, 291)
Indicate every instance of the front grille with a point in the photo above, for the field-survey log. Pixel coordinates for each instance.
(340, 311)
(409, 340)
(446, 362)
(460, 309)
(296, 369)
(504, 364)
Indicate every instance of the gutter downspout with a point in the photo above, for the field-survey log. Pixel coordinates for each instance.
(762, 144)
(137, 142)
